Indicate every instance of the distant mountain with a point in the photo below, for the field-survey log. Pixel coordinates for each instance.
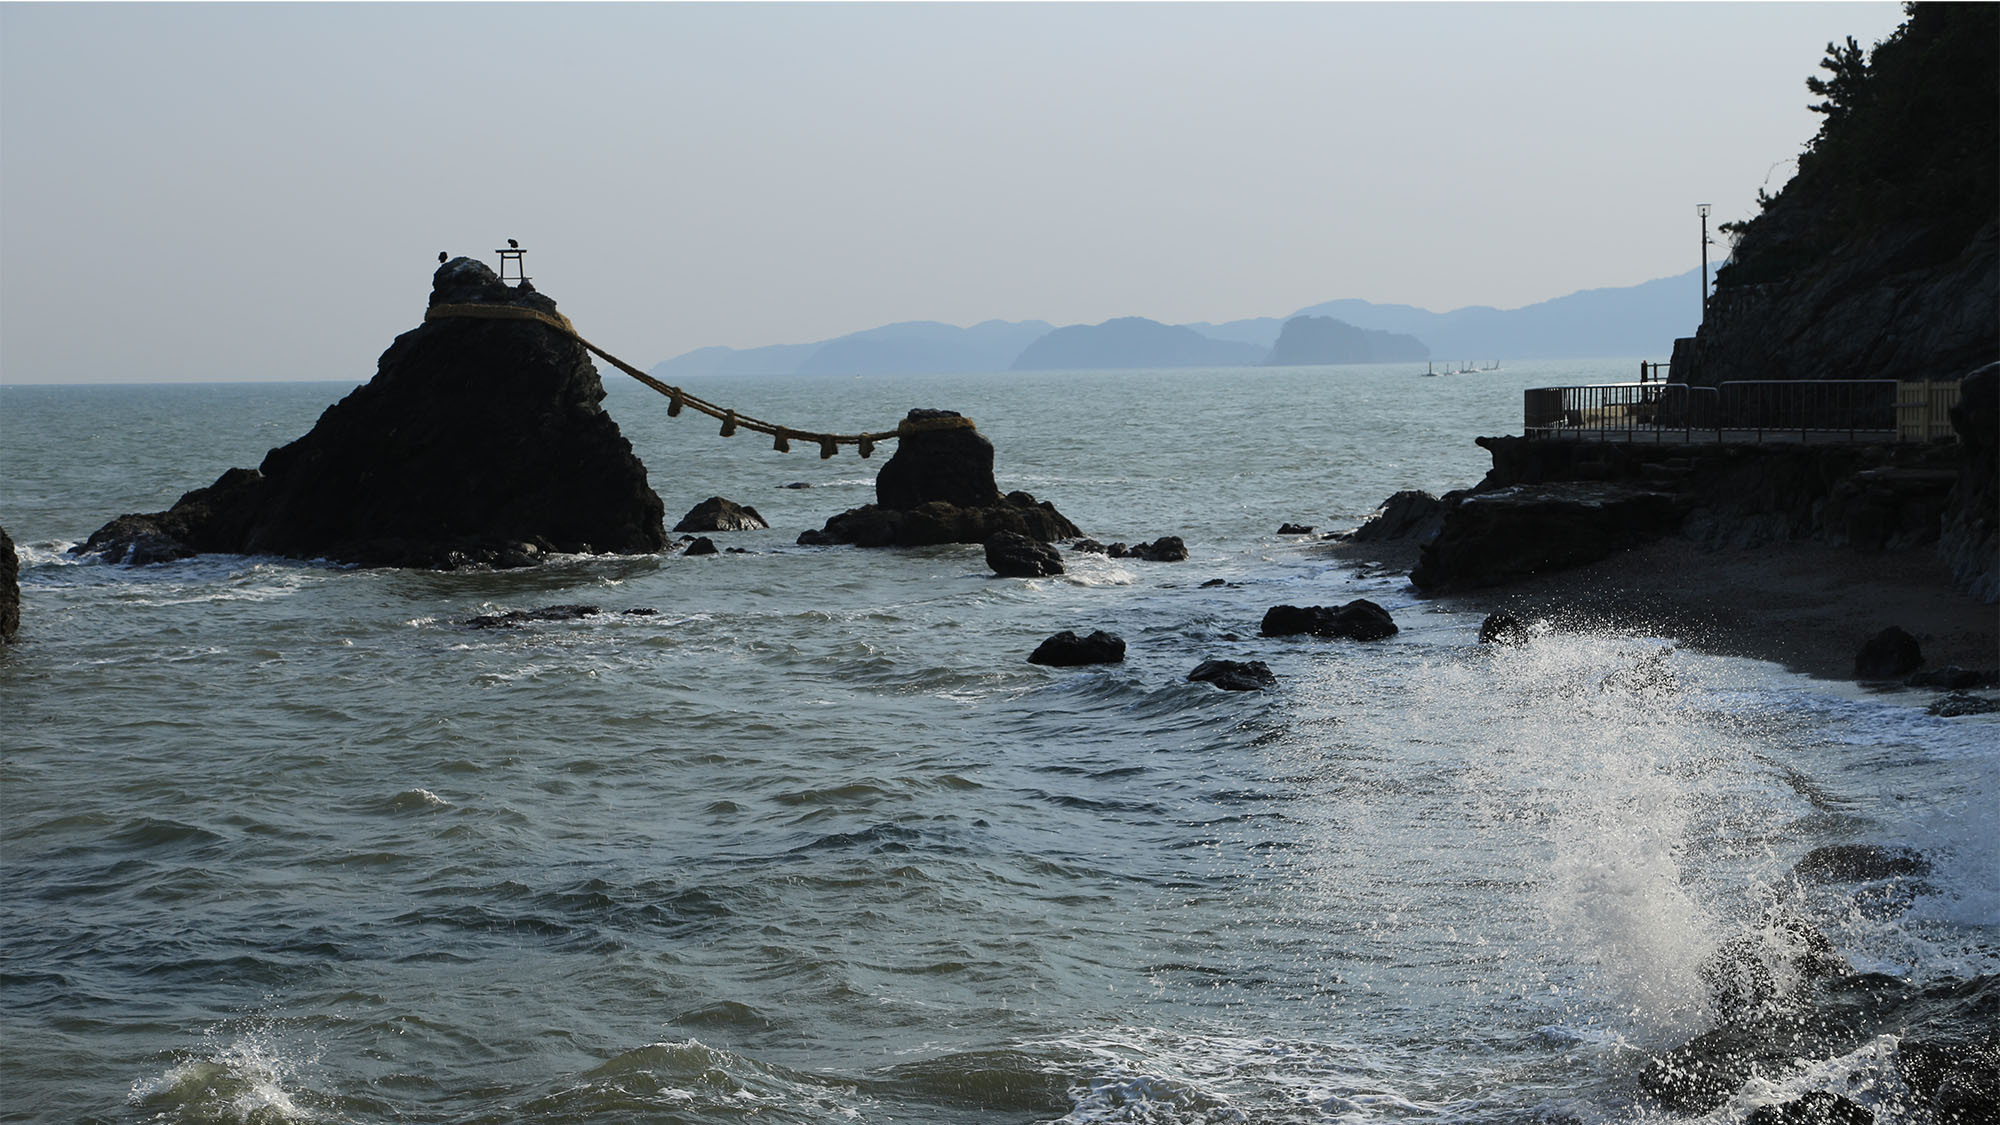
(1640, 319)
(1636, 320)
(1309, 340)
(1132, 341)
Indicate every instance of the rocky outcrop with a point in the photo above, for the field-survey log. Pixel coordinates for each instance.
(478, 442)
(1490, 538)
(1067, 650)
(1969, 535)
(1409, 514)
(10, 589)
(939, 488)
(718, 514)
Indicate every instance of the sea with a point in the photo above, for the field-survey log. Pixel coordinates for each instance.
(810, 840)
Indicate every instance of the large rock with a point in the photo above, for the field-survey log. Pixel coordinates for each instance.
(1489, 538)
(1067, 650)
(718, 514)
(478, 442)
(1358, 620)
(1013, 555)
(1409, 514)
(1888, 655)
(938, 488)
(10, 589)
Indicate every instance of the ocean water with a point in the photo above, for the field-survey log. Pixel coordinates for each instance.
(812, 842)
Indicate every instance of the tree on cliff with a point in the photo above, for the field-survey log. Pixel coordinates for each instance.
(1912, 135)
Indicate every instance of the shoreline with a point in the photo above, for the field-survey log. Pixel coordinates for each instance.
(1803, 605)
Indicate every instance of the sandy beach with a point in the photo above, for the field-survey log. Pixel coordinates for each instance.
(1803, 605)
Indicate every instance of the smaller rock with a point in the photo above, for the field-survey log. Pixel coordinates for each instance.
(1358, 620)
(642, 611)
(797, 484)
(514, 617)
(1888, 655)
(1213, 582)
(718, 514)
(1815, 1107)
(1167, 548)
(1295, 529)
(1954, 678)
(1013, 555)
(1959, 703)
(1503, 629)
(1090, 547)
(1067, 650)
(1860, 863)
(1234, 675)
(702, 545)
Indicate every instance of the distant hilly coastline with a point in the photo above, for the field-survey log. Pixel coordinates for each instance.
(1640, 319)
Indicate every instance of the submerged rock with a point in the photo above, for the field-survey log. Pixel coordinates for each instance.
(1503, 629)
(516, 617)
(1013, 555)
(478, 442)
(1067, 650)
(718, 514)
(937, 488)
(1358, 620)
(1888, 655)
(1234, 675)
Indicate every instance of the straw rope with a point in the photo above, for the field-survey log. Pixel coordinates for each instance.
(677, 398)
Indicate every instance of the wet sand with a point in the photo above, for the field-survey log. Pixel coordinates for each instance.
(1803, 605)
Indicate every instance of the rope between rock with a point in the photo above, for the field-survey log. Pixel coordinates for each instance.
(677, 397)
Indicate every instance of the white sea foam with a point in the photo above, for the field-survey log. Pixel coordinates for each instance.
(248, 1075)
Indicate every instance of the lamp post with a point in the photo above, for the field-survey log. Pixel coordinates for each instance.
(1702, 209)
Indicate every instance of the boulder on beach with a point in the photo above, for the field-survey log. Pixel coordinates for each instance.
(1067, 650)
(718, 514)
(1358, 620)
(480, 441)
(1888, 655)
(1013, 555)
(938, 487)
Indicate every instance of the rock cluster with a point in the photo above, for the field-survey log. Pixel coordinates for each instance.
(939, 488)
(478, 442)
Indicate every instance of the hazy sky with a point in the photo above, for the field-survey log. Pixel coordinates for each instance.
(249, 191)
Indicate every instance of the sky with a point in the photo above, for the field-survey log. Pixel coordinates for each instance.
(244, 191)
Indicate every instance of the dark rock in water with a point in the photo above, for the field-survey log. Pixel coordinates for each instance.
(1409, 514)
(718, 514)
(1358, 620)
(1066, 650)
(936, 460)
(797, 484)
(1860, 863)
(1815, 1107)
(939, 488)
(1771, 966)
(1089, 547)
(1960, 1081)
(10, 589)
(1167, 548)
(1888, 655)
(1503, 629)
(478, 442)
(1234, 675)
(702, 545)
(1954, 678)
(1213, 582)
(1489, 538)
(515, 617)
(1013, 555)
(1960, 703)
(1295, 529)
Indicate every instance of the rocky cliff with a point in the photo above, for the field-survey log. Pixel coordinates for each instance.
(480, 441)
(1878, 259)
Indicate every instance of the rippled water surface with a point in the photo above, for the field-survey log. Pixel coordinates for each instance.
(810, 841)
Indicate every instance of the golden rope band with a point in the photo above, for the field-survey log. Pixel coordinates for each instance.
(677, 398)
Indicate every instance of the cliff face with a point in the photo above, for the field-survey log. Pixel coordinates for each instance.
(479, 441)
(1878, 259)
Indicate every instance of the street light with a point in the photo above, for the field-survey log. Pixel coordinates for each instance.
(1702, 209)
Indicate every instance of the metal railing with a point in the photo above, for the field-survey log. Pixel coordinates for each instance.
(1797, 410)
